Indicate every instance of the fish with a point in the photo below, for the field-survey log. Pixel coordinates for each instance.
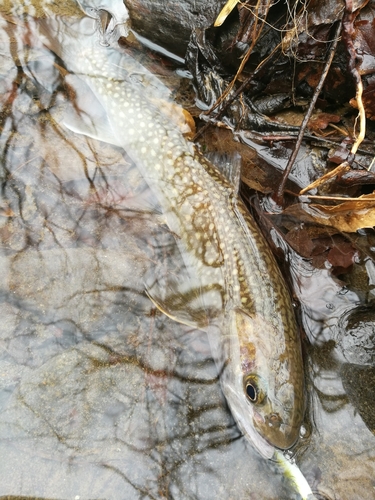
(112, 18)
(235, 291)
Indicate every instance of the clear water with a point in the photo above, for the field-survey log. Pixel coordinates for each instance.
(102, 396)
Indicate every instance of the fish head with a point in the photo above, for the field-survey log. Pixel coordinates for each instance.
(112, 18)
(263, 386)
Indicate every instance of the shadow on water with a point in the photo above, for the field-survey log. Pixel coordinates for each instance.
(102, 396)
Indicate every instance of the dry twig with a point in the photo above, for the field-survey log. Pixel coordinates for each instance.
(225, 11)
(308, 114)
(347, 36)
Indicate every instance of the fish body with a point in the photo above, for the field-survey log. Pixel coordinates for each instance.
(247, 308)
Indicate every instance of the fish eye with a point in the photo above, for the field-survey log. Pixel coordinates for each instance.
(251, 392)
(253, 389)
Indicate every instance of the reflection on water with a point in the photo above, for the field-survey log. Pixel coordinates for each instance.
(102, 396)
(339, 458)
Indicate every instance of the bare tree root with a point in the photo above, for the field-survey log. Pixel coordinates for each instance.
(347, 36)
(361, 115)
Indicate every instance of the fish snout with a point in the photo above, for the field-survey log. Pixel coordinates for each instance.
(277, 432)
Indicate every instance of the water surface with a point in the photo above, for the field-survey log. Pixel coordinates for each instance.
(101, 395)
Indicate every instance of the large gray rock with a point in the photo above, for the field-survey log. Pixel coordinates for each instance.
(169, 23)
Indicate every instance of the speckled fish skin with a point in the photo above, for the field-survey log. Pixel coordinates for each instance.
(251, 323)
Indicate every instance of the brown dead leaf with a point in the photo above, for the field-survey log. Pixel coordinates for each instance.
(302, 241)
(342, 256)
(364, 39)
(347, 217)
(321, 121)
(322, 245)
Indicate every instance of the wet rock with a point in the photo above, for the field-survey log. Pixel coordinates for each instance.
(357, 336)
(359, 383)
(169, 24)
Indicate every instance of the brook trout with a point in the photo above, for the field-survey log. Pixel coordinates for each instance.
(244, 304)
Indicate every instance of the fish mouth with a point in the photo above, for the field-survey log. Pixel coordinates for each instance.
(256, 438)
(273, 429)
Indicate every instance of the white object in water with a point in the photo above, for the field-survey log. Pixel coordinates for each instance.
(118, 24)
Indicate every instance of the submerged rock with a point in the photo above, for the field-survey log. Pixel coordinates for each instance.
(359, 384)
(356, 336)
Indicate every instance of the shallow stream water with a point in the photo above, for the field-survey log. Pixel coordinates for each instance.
(101, 395)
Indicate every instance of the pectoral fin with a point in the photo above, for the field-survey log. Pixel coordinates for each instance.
(195, 319)
(86, 115)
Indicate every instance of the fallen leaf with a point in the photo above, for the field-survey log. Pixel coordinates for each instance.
(348, 216)
(321, 246)
(321, 121)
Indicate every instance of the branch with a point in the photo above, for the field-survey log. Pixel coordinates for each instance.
(308, 114)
